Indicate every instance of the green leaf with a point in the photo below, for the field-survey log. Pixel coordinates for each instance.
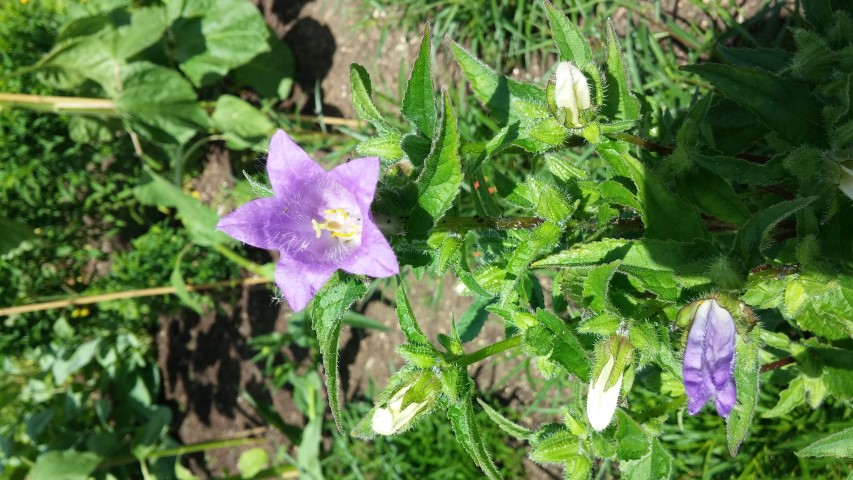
(468, 434)
(740, 171)
(597, 284)
(756, 232)
(789, 399)
(92, 130)
(507, 100)
(212, 37)
(408, 324)
(820, 304)
(559, 447)
(243, 125)
(159, 104)
(665, 215)
(838, 444)
(511, 428)
(145, 439)
(361, 91)
(439, 182)
(419, 99)
(567, 350)
(602, 251)
(14, 233)
(713, 196)
(252, 462)
(199, 220)
(538, 241)
(657, 464)
(783, 105)
(419, 355)
(632, 443)
(177, 281)
(386, 146)
(64, 465)
(619, 102)
(570, 40)
(747, 366)
(550, 202)
(472, 321)
(269, 73)
(326, 310)
(771, 59)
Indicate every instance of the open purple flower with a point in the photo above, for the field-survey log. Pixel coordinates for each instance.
(318, 220)
(709, 359)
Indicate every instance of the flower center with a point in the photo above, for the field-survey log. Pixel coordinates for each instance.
(340, 224)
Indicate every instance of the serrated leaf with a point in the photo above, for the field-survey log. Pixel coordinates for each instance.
(838, 444)
(657, 465)
(740, 171)
(211, 37)
(597, 284)
(789, 399)
(441, 178)
(64, 465)
(269, 73)
(614, 192)
(550, 203)
(570, 40)
(419, 99)
(770, 59)
(419, 355)
(326, 310)
(361, 91)
(563, 169)
(559, 447)
(567, 350)
(747, 370)
(507, 100)
(408, 323)
(591, 253)
(385, 146)
(665, 215)
(243, 125)
(632, 443)
(158, 103)
(508, 426)
(713, 196)
(539, 240)
(619, 102)
(472, 321)
(783, 105)
(754, 234)
(467, 432)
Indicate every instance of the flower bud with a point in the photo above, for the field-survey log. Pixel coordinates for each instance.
(571, 92)
(613, 355)
(709, 359)
(402, 408)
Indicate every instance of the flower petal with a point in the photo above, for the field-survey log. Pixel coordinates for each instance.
(720, 345)
(600, 403)
(359, 176)
(374, 257)
(288, 165)
(696, 381)
(299, 282)
(726, 398)
(257, 223)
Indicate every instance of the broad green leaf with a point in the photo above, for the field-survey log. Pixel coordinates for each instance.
(538, 241)
(567, 350)
(563, 169)
(408, 323)
(507, 100)
(467, 433)
(145, 439)
(439, 182)
(614, 192)
(551, 204)
(252, 462)
(657, 265)
(14, 233)
(602, 251)
(632, 443)
(820, 304)
(665, 215)
(419, 355)
(713, 196)
(92, 130)
(657, 465)
(419, 98)
(619, 102)
(505, 424)
(747, 366)
(270, 73)
(838, 444)
(789, 399)
(782, 104)
(326, 310)
(570, 40)
(177, 280)
(199, 220)
(756, 232)
(212, 37)
(740, 171)
(243, 125)
(597, 284)
(386, 146)
(159, 103)
(559, 447)
(64, 465)
(770, 59)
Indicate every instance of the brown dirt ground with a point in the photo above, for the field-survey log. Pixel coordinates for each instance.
(206, 360)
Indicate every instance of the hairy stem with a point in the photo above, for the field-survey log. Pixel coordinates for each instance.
(464, 224)
(488, 351)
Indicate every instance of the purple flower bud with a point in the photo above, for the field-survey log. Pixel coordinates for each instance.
(709, 359)
(318, 220)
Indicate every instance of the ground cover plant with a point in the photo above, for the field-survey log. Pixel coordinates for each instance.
(668, 245)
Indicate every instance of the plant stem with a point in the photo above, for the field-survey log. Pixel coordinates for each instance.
(489, 350)
(240, 260)
(777, 364)
(464, 224)
(44, 103)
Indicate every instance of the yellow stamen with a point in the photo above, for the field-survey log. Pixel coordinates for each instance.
(336, 224)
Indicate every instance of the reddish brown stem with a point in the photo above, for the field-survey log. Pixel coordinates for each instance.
(777, 364)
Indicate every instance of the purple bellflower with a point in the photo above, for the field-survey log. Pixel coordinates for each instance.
(709, 359)
(318, 220)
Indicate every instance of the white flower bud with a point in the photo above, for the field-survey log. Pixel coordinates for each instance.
(571, 91)
(392, 418)
(601, 403)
